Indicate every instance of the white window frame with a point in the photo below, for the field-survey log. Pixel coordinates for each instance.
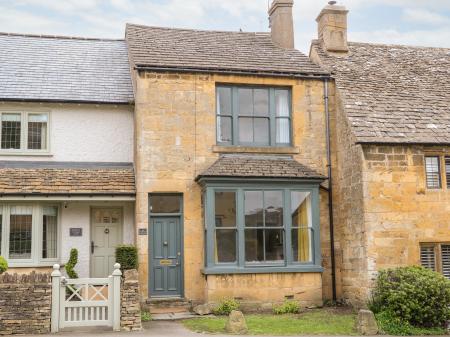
(36, 259)
(24, 133)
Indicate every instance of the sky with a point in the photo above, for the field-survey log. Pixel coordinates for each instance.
(411, 22)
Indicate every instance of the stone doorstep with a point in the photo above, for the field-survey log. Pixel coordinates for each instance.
(168, 305)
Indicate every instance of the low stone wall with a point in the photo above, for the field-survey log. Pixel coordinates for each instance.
(25, 303)
(130, 315)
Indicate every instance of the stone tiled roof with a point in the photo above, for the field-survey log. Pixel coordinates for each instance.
(394, 94)
(66, 178)
(172, 48)
(259, 166)
(46, 68)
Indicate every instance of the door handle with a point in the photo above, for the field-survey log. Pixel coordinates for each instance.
(92, 247)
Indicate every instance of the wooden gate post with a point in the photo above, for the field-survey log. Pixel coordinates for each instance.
(56, 284)
(116, 275)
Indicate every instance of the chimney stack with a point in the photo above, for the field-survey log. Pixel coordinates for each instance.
(332, 27)
(282, 23)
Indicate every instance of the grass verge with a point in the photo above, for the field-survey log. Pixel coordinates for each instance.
(314, 322)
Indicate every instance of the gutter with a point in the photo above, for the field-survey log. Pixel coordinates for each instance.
(330, 190)
(319, 76)
(41, 100)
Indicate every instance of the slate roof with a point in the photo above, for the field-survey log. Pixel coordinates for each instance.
(66, 178)
(52, 68)
(394, 94)
(259, 166)
(214, 51)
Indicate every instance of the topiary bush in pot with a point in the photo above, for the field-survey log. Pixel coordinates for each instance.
(70, 265)
(3, 265)
(415, 295)
(127, 256)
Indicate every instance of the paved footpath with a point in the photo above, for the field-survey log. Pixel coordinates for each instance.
(153, 329)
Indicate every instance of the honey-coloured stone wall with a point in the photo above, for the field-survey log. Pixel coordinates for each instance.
(175, 125)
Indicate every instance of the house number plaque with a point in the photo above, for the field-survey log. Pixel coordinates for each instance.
(165, 262)
(142, 231)
(76, 231)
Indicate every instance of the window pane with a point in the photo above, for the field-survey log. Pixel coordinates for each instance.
(254, 245)
(253, 209)
(225, 205)
(223, 101)
(282, 103)
(445, 249)
(11, 128)
(433, 172)
(301, 244)
(261, 102)
(20, 232)
(37, 132)
(245, 130)
(224, 127)
(49, 233)
(261, 130)
(427, 257)
(283, 131)
(301, 209)
(245, 102)
(274, 244)
(273, 208)
(225, 245)
(447, 170)
(165, 203)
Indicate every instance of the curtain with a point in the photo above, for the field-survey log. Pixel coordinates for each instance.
(282, 116)
(49, 233)
(303, 233)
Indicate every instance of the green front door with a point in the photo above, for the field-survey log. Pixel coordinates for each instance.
(165, 257)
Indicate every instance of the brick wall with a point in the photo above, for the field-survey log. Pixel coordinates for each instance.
(25, 303)
(130, 315)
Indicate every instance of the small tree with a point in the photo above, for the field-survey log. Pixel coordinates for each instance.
(70, 265)
(3, 265)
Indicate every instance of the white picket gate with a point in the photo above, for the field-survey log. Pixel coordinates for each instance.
(85, 301)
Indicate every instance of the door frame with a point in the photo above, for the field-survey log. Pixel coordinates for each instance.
(150, 246)
(91, 222)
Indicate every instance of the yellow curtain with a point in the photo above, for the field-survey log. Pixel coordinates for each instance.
(303, 233)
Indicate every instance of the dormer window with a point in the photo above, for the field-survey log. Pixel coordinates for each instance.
(253, 116)
(23, 132)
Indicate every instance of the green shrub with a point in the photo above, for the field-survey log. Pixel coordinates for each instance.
(70, 265)
(127, 256)
(145, 316)
(3, 265)
(288, 307)
(226, 306)
(391, 325)
(415, 295)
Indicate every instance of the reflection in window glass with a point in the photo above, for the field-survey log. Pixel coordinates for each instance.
(245, 102)
(20, 232)
(37, 131)
(165, 203)
(261, 102)
(225, 245)
(224, 101)
(273, 209)
(225, 221)
(225, 206)
(49, 232)
(11, 130)
(301, 226)
(253, 208)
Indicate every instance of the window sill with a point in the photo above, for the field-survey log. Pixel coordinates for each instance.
(263, 270)
(256, 149)
(29, 154)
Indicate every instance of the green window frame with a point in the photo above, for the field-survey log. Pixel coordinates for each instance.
(253, 116)
(287, 257)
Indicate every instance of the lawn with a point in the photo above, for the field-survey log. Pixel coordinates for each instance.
(311, 322)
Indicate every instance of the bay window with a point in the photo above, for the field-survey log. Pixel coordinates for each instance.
(253, 116)
(24, 132)
(29, 234)
(261, 228)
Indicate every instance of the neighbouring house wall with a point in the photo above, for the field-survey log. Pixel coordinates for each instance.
(83, 132)
(400, 212)
(25, 304)
(350, 231)
(175, 123)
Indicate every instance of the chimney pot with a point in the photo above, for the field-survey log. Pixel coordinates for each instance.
(282, 23)
(332, 28)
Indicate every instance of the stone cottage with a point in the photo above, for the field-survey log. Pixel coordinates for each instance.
(231, 164)
(390, 136)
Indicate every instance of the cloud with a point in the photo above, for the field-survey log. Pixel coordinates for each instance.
(423, 16)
